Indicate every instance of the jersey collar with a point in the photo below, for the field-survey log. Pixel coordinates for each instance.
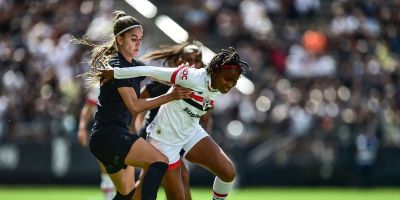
(124, 62)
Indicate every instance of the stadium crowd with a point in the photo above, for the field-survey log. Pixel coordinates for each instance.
(326, 73)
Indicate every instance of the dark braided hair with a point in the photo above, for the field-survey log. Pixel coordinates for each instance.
(227, 57)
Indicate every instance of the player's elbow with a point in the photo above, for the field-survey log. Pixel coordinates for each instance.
(135, 110)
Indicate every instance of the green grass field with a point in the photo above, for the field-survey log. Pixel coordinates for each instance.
(92, 193)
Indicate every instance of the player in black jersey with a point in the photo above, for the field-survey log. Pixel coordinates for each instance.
(174, 55)
(110, 140)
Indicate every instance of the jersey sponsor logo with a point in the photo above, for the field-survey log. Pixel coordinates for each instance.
(191, 114)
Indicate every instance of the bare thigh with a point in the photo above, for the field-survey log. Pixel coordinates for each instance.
(186, 181)
(208, 154)
(142, 154)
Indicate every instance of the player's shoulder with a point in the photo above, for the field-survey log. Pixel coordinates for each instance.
(138, 62)
(114, 60)
(196, 73)
(192, 76)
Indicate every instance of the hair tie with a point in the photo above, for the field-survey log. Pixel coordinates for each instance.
(230, 67)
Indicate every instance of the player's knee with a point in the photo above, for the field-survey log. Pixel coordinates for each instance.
(124, 192)
(228, 172)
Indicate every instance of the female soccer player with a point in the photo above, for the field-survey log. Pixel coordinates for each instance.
(110, 139)
(174, 55)
(106, 185)
(176, 125)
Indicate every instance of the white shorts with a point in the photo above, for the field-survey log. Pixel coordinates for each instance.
(172, 151)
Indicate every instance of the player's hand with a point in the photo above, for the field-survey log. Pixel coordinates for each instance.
(186, 64)
(107, 75)
(83, 137)
(180, 92)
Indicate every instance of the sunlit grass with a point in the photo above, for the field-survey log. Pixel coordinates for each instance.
(93, 193)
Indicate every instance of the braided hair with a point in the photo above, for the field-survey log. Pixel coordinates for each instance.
(227, 57)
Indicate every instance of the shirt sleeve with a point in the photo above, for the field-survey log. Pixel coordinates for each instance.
(122, 83)
(183, 75)
(93, 95)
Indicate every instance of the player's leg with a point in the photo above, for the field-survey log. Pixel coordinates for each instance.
(186, 180)
(106, 184)
(111, 149)
(146, 156)
(124, 183)
(123, 151)
(172, 182)
(208, 154)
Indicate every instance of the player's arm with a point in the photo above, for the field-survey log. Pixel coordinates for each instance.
(138, 123)
(136, 105)
(132, 127)
(84, 117)
(206, 122)
(178, 75)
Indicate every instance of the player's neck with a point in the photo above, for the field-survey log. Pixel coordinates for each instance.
(126, 55)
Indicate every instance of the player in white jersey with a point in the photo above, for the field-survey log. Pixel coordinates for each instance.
(172, 56)
(176, 125)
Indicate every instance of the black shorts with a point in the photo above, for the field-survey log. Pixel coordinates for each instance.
(142, 133)
(110, 144)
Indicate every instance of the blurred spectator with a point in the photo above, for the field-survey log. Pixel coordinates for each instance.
(367, 149)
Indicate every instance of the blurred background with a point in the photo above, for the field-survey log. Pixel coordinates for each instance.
(319, 107)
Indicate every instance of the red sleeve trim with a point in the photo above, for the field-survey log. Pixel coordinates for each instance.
(91, 101)
(173, 77)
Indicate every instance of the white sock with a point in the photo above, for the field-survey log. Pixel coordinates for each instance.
(221, 189)
(107, 187)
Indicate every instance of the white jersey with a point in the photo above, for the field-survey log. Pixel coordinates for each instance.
(93, 95)
(176, 120)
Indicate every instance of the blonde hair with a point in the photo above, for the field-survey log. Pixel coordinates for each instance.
(101, 54)
(172, 53)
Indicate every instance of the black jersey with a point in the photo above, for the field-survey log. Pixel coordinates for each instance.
(155, 89)
(110, 107)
